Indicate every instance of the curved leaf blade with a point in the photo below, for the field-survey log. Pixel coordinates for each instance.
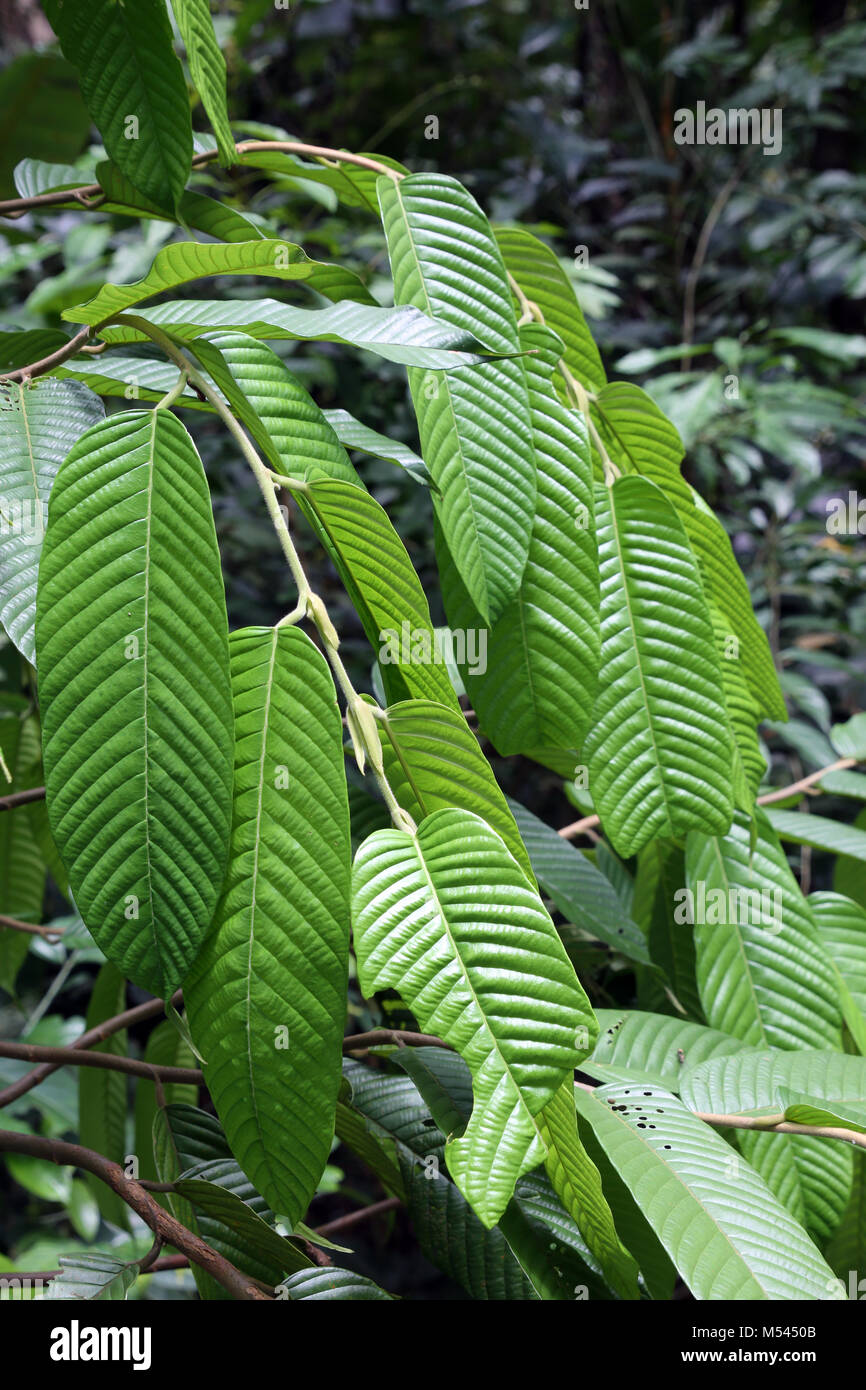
(132, 640)
(266, 997)
(208, 69)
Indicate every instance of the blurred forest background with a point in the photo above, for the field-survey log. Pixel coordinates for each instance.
(730, 284)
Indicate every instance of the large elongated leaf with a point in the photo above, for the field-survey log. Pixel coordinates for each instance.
(279, 413)
(430, 912)
(39, 424)
(841, 927)
(710, 1214)
(546, 642)
(812, 1176)
(659, 749)
(102, 1101)
(433, 761)
(660, 873)
(134, 88)
(577, 888)
(352, 434)
(132, 640)
(183, 261)
(329, 1284)
(403, 335)
(475, 428)
(208, 69)
(165, 1048)
(383, 586)
(91, 1276)
(543, 281)
(762, 973)
(654, 1048)
(22, 862)
(133, 377)
(819, 832)
(266, 997)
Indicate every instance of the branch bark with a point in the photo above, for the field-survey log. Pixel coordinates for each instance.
(381, 1037)
(8, 803)
(107, 1061)
(164, 1226)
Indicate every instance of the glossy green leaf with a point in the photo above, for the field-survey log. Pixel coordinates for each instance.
(818, 831)
(402, 335)
(659, 749)
(134, 88)
(475, 428)
(165, 1048)
(352, 434)
(91, 1276)
(763, 975)
(208, 69)
(102, 1094)
(331, 1284)
(39, 423)
(577, 888)
(183, 261)
(384, 588)
(219, 1193)
(433, 761)
(653, 1048)
(266, 997)
(547, 640)
(541, 278)
(426, 913)
(132, 640)
(710, 1214)
(841, 927)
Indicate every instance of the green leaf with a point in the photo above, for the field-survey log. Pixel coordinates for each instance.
(280, 414)
(547, 639)
(352, 434)
(354, 185)
(208, 69)
(849, 739)
(92, 1276)
(577, 888)
(219, 1192)
(433, 761)
(384, 588)
(194, 209)
(841, 927)
(183, 261)
(131, 635)
(102, 1098)
(182, 1137)
(847, 1248)
(402, 335)
(763, 975)
(709, 1213)
(165, 1048)
(133, 377)
(83, 1211)
(420, 928)
(849, 874)
(129, 73)
(653, 1048)
(330, 1284)
(41, 113)
(661, 871)
(475, 427)
(819, 832)
(40, 424)
(812, 1176)
(22, 862)
(537, 270)
(659, 749)
(267, 994)
(19, 347)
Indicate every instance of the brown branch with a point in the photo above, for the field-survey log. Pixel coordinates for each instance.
(107, 1061)
(14, 924)
(164, 1226)
(128, 1019)
(380, 1037)
(581, 827)
(46, 364)
(354, 1218)
(8, 803)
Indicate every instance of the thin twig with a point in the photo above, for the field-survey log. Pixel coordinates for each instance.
(8, 803)
(162, 1223)
(15, 924)
(54, 359)
(354, 1218)
(106, 1061)
(777, 1124)
(128, 1019)
(381, 1037)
